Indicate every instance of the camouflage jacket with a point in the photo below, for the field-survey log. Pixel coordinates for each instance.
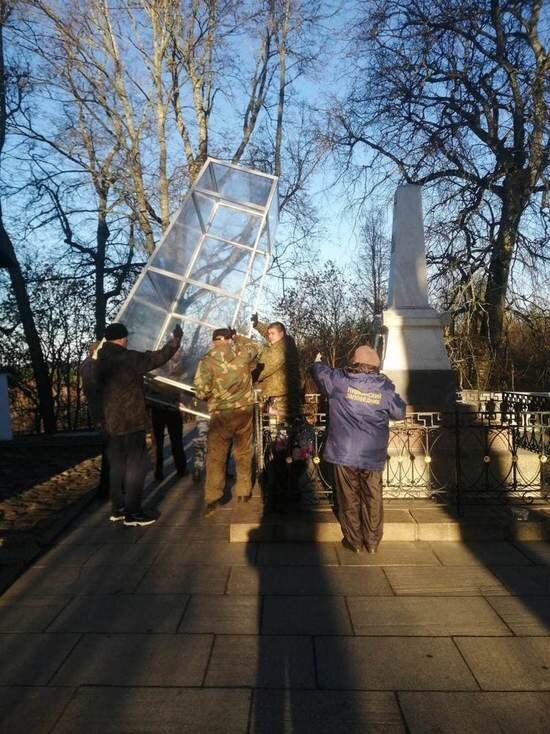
(224, 375)
(278, 370)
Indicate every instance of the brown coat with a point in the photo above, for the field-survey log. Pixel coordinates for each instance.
(120, 378)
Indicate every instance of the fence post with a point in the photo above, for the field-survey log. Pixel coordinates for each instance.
(458, 468)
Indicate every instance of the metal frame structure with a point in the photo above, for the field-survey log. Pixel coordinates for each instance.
(208, 269)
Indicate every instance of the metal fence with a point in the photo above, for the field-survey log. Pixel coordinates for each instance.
(463, 457)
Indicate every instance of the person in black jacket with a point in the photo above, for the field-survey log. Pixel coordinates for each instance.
(120, 377)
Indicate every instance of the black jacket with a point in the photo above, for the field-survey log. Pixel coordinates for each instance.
(120, 377)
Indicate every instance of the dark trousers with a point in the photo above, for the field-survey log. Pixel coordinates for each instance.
(127, 467)
(360, 506)
(172, 420)
(229, 427)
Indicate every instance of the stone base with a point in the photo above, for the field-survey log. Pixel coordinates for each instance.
(403, 521)
(425, 390)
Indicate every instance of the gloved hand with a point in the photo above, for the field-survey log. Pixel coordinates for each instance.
(254, 319)
(232, 331)
(178, 333)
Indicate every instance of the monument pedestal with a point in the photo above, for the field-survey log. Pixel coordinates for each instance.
(416, 360)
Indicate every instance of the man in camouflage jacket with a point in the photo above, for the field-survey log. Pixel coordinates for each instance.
(278, 373)
(224, 379)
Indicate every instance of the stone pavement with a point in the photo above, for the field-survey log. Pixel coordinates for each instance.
(171, 628)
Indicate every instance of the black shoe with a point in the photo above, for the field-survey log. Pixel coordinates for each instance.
(372, 548)
(117, 515)
(210, 508)
(139, 519)
(351, 547)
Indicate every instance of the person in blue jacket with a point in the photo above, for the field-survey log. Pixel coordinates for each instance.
(361, 403)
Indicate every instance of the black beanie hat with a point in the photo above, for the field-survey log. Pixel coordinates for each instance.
(115, 331)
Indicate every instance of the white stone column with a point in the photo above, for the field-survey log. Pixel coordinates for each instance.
(5, 424)
(415, 356)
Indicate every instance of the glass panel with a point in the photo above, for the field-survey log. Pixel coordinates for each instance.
(235, 225)
(222, 265)
(273, 217)
(176, 251)
(249, 302)
(204, 305)
(144, 324)
(160, 290)
(241, 185)
(196, 342)
(205, 206)
(206, 181)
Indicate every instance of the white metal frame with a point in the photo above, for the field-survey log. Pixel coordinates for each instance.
(219, 200)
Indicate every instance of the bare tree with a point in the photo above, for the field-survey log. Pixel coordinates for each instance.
(11, 87)
(455, 96)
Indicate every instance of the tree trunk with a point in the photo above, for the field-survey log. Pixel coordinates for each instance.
(513, 204)
(39, 366)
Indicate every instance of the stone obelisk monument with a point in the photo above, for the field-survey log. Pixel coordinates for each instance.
(415, 356)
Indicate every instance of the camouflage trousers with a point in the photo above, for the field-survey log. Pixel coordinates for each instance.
(226, 427)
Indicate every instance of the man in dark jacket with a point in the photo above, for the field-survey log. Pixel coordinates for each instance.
(120, 377)
(361, 403)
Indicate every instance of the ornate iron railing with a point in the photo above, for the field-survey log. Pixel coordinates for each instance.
(465, 457)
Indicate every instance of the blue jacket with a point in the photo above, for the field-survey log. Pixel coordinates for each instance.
(360, 407)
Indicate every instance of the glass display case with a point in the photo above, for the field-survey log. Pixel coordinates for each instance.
(208, 269)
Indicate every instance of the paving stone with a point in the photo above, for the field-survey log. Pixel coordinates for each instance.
(508, 664)
(172, 578)
(20, 616)
(525, 615)
(201, 553)
(329, 580)
(224, 615)
(391, 554)
(31, 659)
(524, 581)
(109, 532)
(137, 660)
(122, 613)
(67, 555)
(45, 581)
(119, 554)
(296, 554)
(168, 710)
(32, 709)
(438, 616)
(537, 551)
(391, 663)
(479, 554)
(325, 712)
(167, 534)
(471, 713)
(468, 581)
(208, 532)
(308, 615)
(261, 662)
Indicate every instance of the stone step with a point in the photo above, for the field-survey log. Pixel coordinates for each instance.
(415, 520)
